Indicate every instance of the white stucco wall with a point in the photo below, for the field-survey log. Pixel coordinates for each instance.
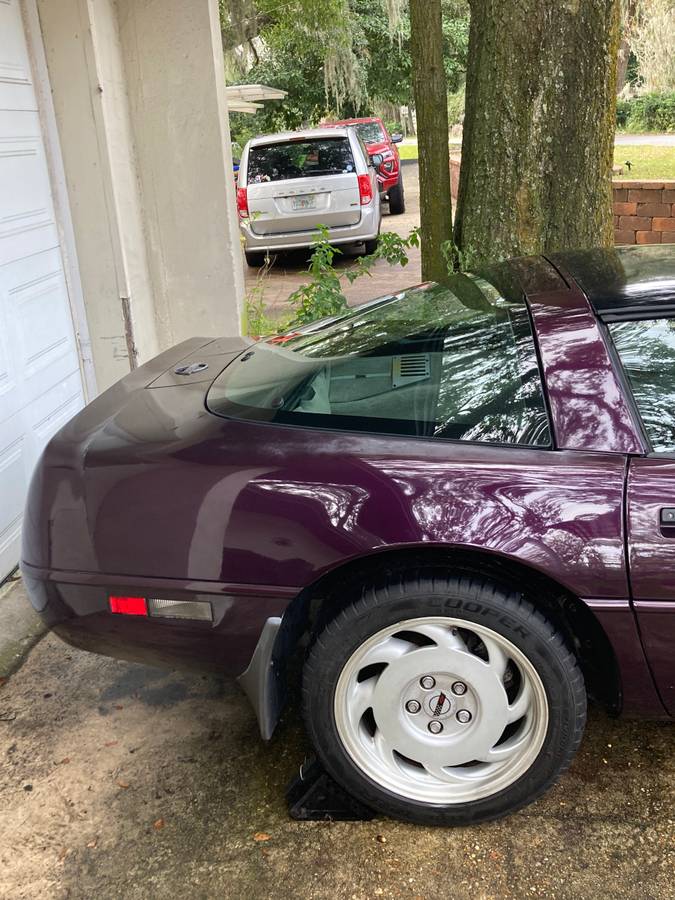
(140, 107)
(175, 78)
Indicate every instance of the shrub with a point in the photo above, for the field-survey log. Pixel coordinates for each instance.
(323, 295)
(394, 127)
(456, 107)
(650, 112)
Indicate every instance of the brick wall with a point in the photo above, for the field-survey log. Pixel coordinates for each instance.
(644, 212)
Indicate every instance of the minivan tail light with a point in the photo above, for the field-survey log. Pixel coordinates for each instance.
(242, 202)
(365, 189)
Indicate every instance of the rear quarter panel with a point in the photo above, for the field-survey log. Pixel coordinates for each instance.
(232, 501)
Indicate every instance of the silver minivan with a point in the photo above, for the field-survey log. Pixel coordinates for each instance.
(290, 183)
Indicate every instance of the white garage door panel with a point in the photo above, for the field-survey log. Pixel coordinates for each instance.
(26, 434)
(26, 214)
(40, 383)
(13, 485)
(36, 286)
(15, 74)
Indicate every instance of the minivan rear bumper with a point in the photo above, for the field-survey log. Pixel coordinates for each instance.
(366, 230)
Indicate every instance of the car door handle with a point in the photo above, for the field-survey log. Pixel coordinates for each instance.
(667, 521)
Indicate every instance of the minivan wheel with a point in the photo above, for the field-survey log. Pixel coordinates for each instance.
(443, 701)
(397, 198)
(371, 246)
(254, 259)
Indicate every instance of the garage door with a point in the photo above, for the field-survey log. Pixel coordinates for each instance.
(40, 383)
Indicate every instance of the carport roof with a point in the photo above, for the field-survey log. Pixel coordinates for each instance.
(247, 97)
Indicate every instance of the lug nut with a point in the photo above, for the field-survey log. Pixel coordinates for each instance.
(435, 727)
(463, 716)
(459, 688)
(427, 682)
(413, 706)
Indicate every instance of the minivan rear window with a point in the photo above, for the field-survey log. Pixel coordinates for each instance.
(299, 159)
(453, 361)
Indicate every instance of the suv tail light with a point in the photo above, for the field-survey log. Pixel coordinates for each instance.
(365, 190)
(242, 203)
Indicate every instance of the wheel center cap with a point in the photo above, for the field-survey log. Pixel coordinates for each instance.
(438, 705)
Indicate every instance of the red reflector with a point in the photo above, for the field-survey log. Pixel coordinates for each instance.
(129, 606)
(365, 190)
(242, 202)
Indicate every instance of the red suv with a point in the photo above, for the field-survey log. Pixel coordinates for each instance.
(377, 139)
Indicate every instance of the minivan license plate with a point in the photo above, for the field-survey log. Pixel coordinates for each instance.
(306, 202)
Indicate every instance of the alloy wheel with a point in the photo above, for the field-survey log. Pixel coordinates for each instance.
(440, 710)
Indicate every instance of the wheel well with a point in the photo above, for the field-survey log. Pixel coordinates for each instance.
(323, 600)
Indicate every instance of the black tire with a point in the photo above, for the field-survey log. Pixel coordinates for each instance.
(254, 259)
(397, 198)
(371, 246)
(506, 613)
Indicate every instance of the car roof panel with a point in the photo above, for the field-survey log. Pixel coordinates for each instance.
(624, 283)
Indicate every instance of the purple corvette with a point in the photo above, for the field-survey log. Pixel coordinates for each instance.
(456, 505)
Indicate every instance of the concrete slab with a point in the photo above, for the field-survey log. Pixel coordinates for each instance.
(20, 627)
(122, 781)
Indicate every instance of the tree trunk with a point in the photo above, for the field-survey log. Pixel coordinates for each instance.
(431, 106)
(538, 128)
(622, 64)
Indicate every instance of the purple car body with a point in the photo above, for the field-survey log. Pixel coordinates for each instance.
(147, 492)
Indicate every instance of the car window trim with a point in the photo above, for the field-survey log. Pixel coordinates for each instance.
(542, 375)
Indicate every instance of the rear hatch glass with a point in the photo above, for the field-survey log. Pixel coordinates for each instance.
(298, 184)
(454, 361)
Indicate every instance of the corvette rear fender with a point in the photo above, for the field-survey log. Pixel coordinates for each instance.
(597, 631)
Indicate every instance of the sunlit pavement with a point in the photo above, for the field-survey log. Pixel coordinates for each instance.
(121, 781)
(653, 140)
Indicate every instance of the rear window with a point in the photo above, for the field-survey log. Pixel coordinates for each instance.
(299, 159)
(450, 362)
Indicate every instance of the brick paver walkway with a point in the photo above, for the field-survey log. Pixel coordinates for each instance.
(290, 270)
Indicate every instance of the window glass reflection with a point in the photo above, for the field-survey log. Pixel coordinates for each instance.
(453, 361)
(647, 352)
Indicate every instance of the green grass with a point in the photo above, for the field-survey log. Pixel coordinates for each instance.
(647, 161)
(408, 151)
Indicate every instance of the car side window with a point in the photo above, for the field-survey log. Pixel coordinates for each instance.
(437, 362)
(646, 350)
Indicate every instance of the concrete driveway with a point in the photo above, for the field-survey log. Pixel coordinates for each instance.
(121, 781)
